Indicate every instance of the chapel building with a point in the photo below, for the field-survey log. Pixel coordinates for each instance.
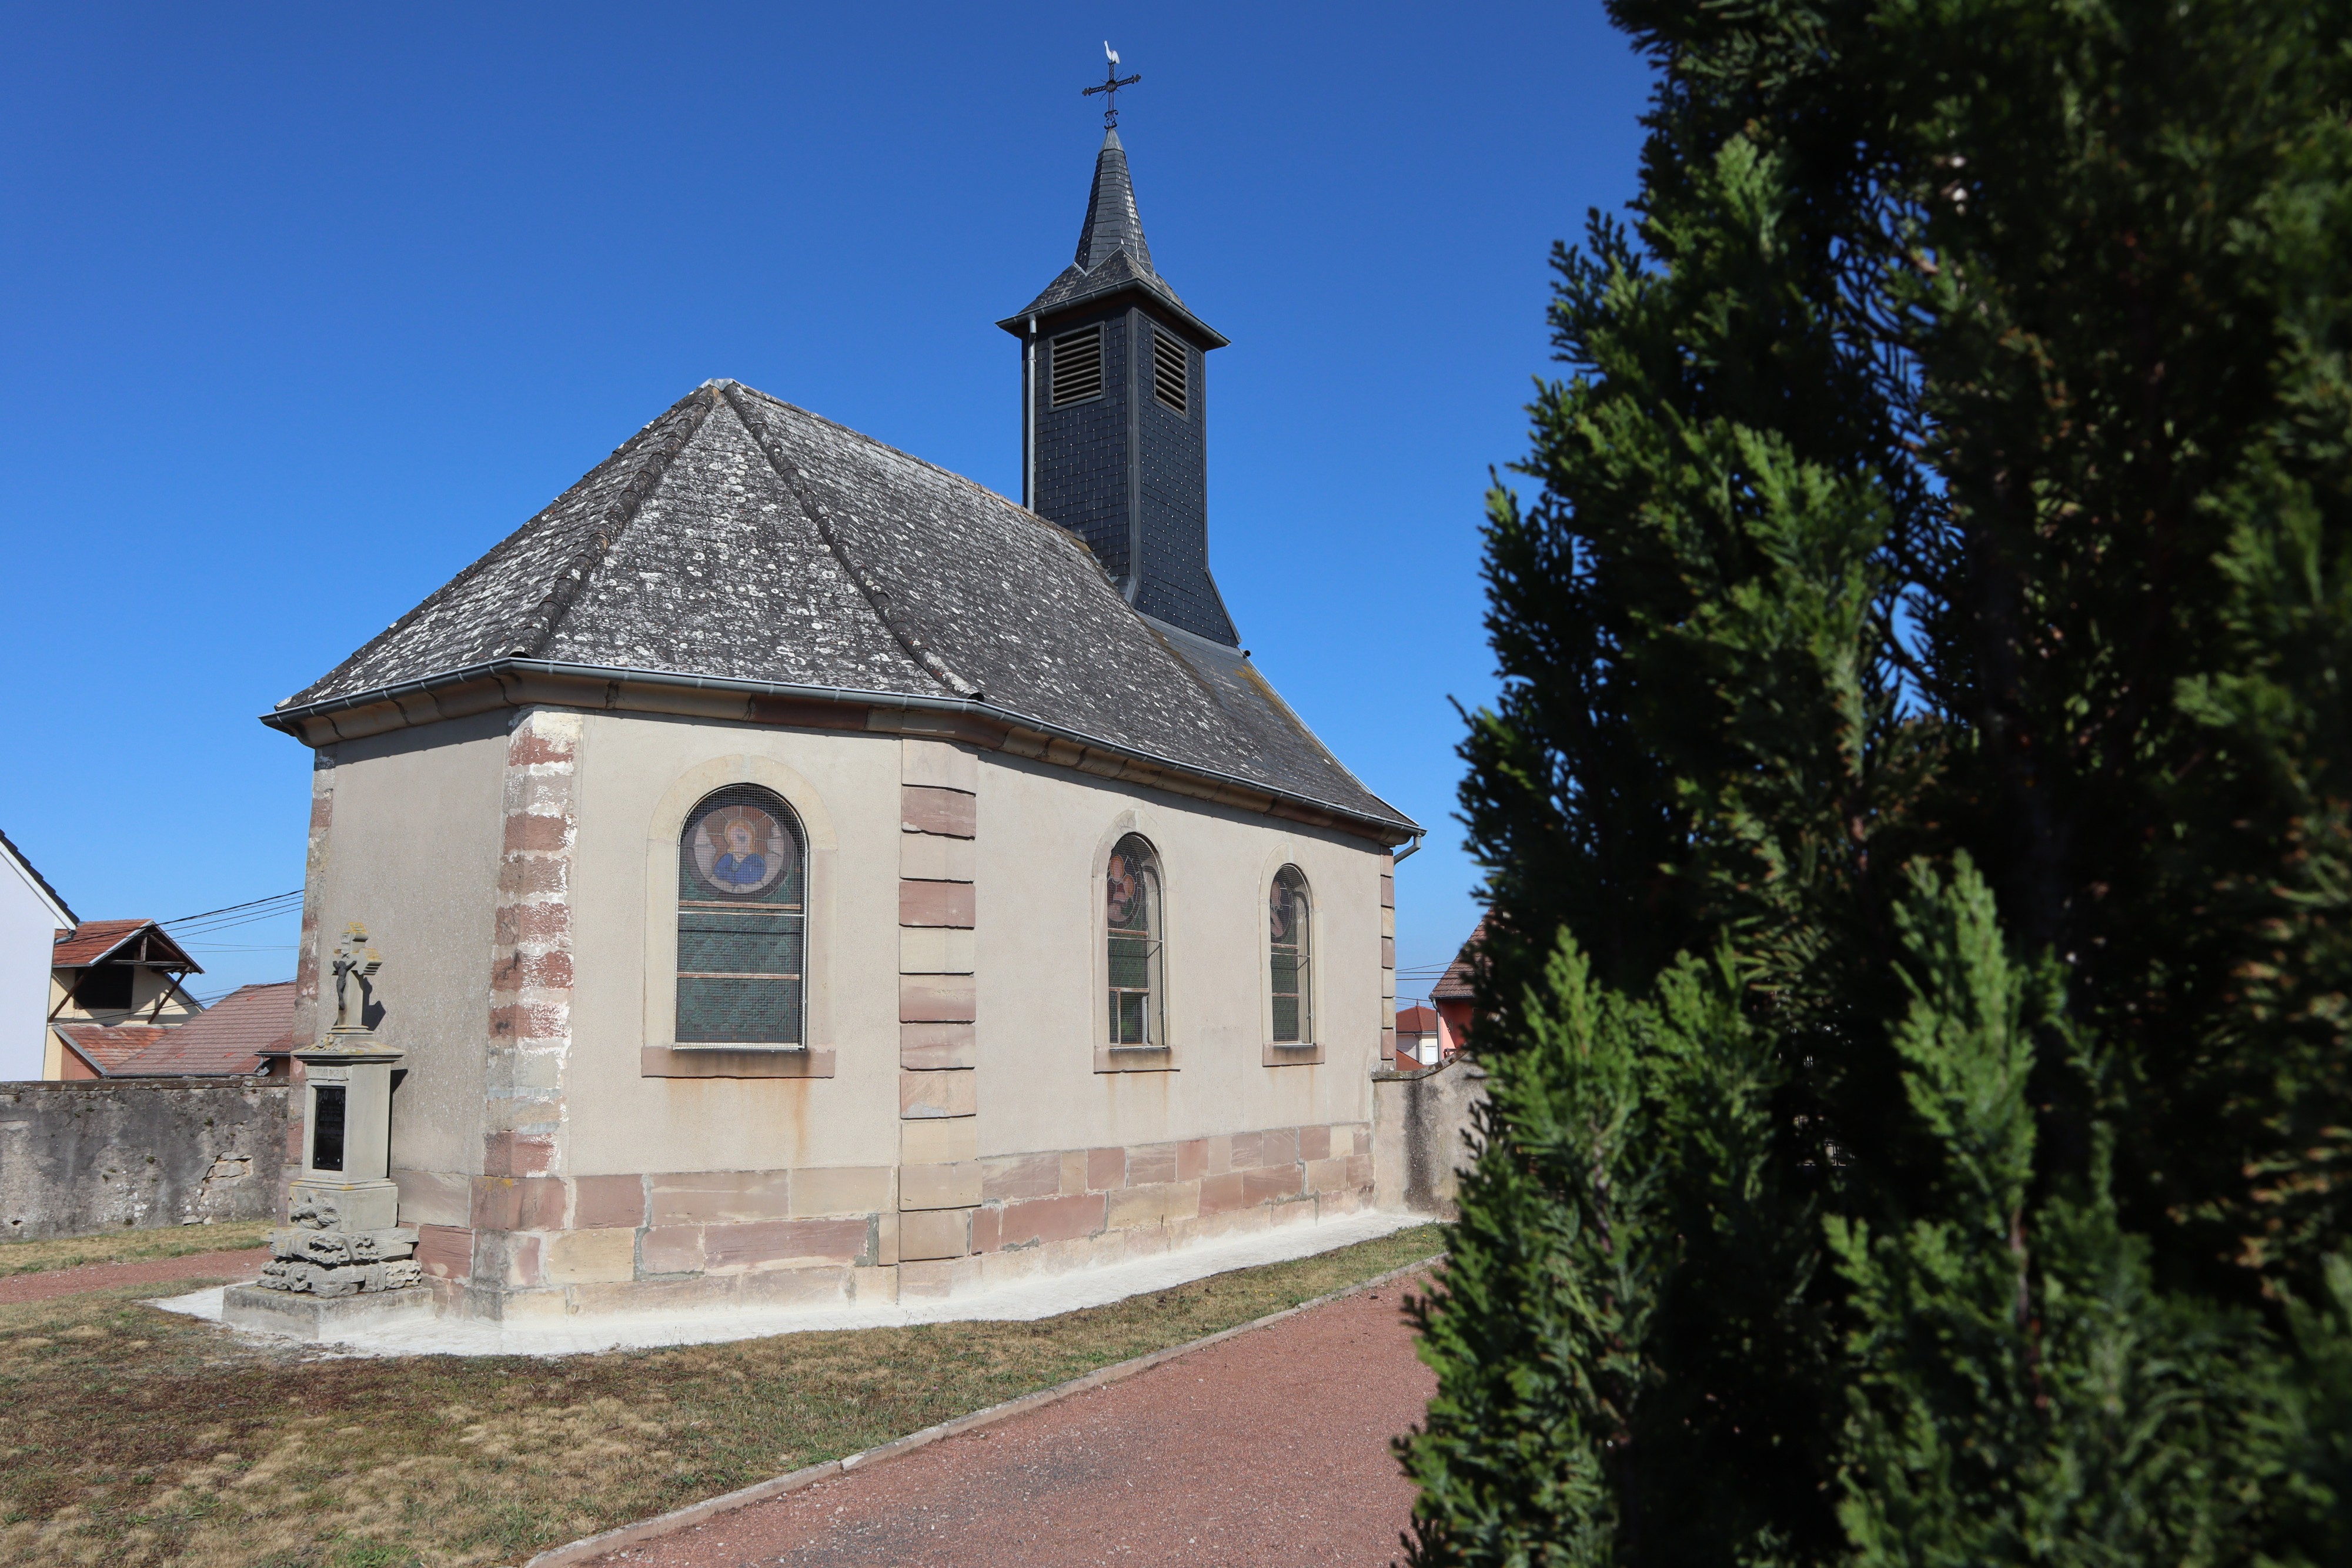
(803, 874)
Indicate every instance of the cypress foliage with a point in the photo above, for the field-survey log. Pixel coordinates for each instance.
(1918, 815)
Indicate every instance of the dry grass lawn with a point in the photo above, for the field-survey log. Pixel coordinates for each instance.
(129, 1245)
(137, 1437)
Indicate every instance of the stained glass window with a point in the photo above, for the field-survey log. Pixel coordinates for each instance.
(1131, 906)
(743, 920)
(1288, 921)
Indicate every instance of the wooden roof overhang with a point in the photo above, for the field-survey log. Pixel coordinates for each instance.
(533, 683)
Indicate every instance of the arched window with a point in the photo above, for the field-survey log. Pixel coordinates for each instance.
(1131, 903)
(1289, 924)
(742, 922)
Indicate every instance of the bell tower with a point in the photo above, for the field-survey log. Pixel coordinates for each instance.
(1114, 411)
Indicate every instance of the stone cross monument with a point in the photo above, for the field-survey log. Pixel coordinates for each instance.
(346, 1257)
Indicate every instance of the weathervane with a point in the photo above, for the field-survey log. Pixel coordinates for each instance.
(1112, 81)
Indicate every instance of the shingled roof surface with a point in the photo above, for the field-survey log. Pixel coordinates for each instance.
(227, 1037)
(1112, 252)
(741, 537)
(108, 1047)
(92, 940)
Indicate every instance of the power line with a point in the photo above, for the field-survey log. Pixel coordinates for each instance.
(231, 909)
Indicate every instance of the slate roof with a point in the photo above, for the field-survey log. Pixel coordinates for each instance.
(741, 538)
(1112, 254)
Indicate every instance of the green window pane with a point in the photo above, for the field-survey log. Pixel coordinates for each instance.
(753, 1013)
(1286, 1019)
(733, 944)
(1126, 1014)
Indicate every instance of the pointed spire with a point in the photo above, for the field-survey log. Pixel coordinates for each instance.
(1112, 222)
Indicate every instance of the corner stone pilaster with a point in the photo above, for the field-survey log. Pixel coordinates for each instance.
(305, 1030)
(531, 983)
(1388, 963)
(938, 1136)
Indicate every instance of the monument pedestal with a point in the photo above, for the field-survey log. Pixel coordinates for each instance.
(322, 1317)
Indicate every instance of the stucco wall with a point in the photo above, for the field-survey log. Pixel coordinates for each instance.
(413, 853)
(639, 776)
(1044, 835)
(137, 1153)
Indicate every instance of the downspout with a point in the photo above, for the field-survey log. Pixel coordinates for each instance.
(1410, 850)
(1029, 418)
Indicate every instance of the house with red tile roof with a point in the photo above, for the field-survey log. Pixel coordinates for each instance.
(233, 1036)
(1455, 997)
(108, 974)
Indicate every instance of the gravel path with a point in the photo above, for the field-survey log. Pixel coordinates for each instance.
(51, 1283)
(1268, 1450)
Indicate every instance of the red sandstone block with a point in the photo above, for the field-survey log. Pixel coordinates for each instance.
(935, 903)
(513, 1258)
(1050, 1219)
(527, 748)
(518, 1154)
(922, 1095)
(1360, 1170)
(1150, 1165)
(446, 1251)
(1193, 1159)
(1020, 1175)
(709, 1197)
(777, 1242)
(923, 1047)
(1222, 1193)
(987, 1231)
(1388, 953)
(601, 1201)
(535, 971)
(1268, 1183)
(516, 1203)
(1326, 1176)
(549, 923)
(1314, 1142)
(1388, 891)
(530, 834)
(1106, 1168)
(1269, 1146)
(937, 999)
(673, 1249)
(949, 812)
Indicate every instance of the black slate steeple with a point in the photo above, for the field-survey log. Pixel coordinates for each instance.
(1116, 413)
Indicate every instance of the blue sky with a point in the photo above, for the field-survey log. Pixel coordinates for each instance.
(308, 305)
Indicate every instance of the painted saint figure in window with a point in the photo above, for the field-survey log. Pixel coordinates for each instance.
(1287, 923)
(742, 922)
(1131, 906)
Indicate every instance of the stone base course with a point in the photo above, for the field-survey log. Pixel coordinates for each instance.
(494, 1246)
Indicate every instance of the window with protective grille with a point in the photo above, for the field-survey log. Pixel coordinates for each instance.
(1288, 927)
(1078, 365)
(1169, 365)
(742, 922)
(1132, 905)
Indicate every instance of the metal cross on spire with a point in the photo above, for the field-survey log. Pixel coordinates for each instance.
(1112, 81)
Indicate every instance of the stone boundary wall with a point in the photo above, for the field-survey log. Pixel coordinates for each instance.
(693, 1238)
(1420, 1124)
(139, 1152)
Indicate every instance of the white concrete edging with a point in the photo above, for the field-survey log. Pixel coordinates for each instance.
(592, 1547)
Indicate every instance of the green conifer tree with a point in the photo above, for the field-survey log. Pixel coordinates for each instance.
(1918, 815)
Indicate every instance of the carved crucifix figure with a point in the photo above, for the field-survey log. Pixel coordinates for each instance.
(355, 964)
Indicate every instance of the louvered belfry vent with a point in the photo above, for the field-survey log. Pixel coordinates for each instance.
(1077, 366)
(1168, 364)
